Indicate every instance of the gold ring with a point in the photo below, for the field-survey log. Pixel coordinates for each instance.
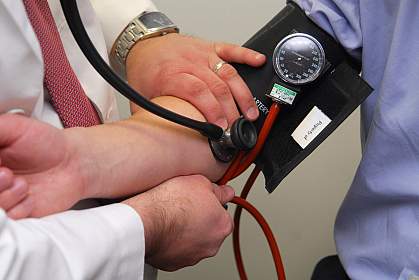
(218, 66)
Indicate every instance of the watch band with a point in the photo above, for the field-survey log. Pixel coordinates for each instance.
(136, 31)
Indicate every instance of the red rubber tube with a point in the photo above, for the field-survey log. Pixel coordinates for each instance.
(237, 215)
(232, 169)
(268, 234)
(239, 165)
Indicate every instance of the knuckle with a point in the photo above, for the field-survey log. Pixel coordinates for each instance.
(195, 260)
(228, 72)
(200, 178)
(221, 90)
(164, 72)
(210, 250)
(214, 110)
(197, 88)
(219, 48)
(248, 101)
(202, 181)
(228, 226)
(213, 251)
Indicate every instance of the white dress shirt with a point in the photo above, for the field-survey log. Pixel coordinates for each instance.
(100, 243)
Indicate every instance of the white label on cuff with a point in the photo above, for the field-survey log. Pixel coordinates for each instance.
(310, 127)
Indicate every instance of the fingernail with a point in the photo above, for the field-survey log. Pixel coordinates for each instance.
(252, 113)
(222, 123)
(230, 192)
(259, 56)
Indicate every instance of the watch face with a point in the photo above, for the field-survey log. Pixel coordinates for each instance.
(299, 59)
(155, 20)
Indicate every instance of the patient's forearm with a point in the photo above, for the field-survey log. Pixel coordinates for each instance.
(134, 155)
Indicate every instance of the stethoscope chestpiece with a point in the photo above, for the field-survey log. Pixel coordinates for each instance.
(242, 136)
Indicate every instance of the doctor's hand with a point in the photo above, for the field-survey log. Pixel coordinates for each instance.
(192, 69)
(184, 221)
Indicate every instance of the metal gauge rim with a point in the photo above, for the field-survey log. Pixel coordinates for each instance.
(282, 75)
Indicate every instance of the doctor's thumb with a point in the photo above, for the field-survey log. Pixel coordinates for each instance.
(224, 194)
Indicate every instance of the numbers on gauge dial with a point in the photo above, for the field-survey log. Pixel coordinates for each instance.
(299, 59)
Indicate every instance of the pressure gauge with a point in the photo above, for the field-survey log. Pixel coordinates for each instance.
(299, 59)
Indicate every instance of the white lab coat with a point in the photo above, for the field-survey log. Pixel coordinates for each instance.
(100, 243)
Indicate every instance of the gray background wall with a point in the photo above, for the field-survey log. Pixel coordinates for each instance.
(302, 210)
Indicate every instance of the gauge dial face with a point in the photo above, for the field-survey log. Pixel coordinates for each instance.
(299, 59)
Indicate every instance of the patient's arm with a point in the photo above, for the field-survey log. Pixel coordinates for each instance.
(134, 155)
(110, 160)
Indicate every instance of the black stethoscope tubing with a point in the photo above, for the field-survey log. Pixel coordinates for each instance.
(75, 23)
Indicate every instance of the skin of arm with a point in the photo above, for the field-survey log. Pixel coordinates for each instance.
(143, 151)
(62, 167)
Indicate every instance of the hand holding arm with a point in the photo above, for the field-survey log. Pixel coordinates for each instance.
(178, 232)
(62, 163)
(111, 242)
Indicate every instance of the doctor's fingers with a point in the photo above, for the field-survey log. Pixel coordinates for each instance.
(12, 196)
(195, 91)
(224, 194)
(240, 91)
(6, 179)
(237, 54)
(22, 210)
(221, 91)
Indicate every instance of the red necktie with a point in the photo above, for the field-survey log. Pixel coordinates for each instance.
(67, 95)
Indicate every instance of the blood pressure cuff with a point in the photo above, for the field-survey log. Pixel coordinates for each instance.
(326, 103)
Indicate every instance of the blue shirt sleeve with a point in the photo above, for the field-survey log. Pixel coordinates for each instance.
(340, 18)
(377, 227)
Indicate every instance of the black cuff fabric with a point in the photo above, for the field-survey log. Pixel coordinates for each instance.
(337, 94)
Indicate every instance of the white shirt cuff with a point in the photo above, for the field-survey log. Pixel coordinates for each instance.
(114, 16)
(127, 233)
(105, 242)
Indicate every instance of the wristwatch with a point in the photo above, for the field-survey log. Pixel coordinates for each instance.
(144, 26)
